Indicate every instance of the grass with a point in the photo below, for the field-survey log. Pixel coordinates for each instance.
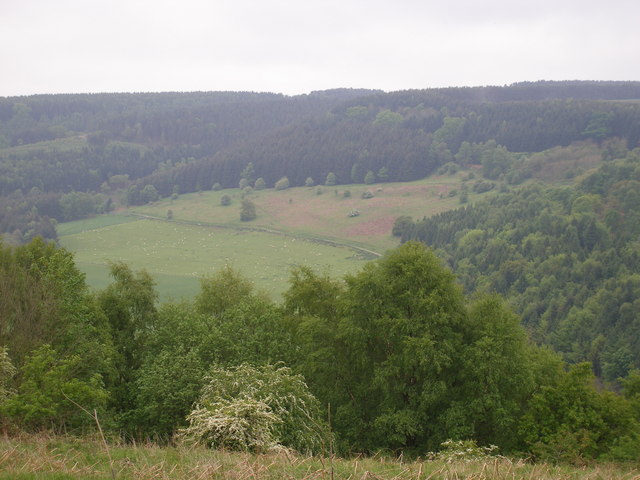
(177, 255)
(294, 226)
(66, 144)
(53, 457)
(301, 211)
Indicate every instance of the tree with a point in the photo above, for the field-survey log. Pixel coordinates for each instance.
(282, 184)
(331, 179)
(260, 184)
(221, 291)
(247, 210)
(149, 194)
(402, 225)
(309, 182)
(129, 305)
(356, 173)
(225, 200)
(248, 174)
(370, 178)
(49, 380)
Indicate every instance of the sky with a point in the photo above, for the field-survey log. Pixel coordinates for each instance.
(297, 46)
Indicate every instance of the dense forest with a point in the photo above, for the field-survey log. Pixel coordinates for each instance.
(396, 356)
(94, 146)
(567, 259)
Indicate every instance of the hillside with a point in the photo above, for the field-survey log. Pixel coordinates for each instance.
(52, 146)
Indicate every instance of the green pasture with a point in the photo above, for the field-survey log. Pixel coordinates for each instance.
(178, 255)
(322, 211)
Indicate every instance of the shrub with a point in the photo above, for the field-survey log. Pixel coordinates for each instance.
(247, 210)
(309, 182)
(225, 200)
(260, 184)
(255, 409)
(282, 184)
(331, 179)
(367, 194)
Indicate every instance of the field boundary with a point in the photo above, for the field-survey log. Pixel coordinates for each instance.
(364, 252)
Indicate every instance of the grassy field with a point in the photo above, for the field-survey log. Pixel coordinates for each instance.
(56, 458)
(178, 255)
(304, 211)
(306, 225)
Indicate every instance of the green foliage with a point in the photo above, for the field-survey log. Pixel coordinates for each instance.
(225, 200)
(7, 371)
(388, 118)
(256, 409)
(260, 184)
(331, 179)
(309, 182)
(282, 184)
(247, 210)
(248, 173)
(48, 381)
(370, 178)
(221, 291)
(129, 305)
(402, 225)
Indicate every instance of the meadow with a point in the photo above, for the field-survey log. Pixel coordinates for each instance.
(297, 226)
(58, 457)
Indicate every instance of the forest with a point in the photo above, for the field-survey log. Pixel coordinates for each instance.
(509, 321)
(397, 356)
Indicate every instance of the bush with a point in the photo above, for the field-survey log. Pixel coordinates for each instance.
(331, 179)
(225, 200)
(282, 184)
(256, 409)
(309, 182)
(260, 184)
(367, 194)
(216, 186)
(247, 210)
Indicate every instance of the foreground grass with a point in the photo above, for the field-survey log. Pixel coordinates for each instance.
(54, 457)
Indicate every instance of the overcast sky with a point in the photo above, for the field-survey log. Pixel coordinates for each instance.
(296, 46)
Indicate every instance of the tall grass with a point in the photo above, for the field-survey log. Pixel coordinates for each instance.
(55, 457)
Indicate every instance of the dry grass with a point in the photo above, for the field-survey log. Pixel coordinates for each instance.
(54, 457)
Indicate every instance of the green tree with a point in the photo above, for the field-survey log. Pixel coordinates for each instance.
(225, 200)
(370, 178)
(260, 184)
(247, 210)
(402, 225)
(48, 381)
(282, 184)
(331, 179)
(149, 194)
(222, 290)
(309, 182)
(248, 174)
(129, 305)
